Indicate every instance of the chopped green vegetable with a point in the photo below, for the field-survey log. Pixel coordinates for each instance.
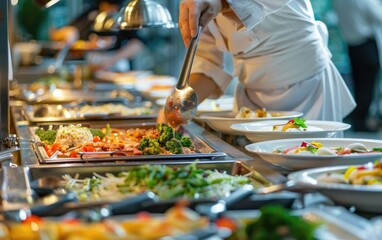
(300, 122)
(168, 139)
(186, 141)
(46, 136)
(149, 146)
(377, 149)
(97, 132)
(277, 222)
(166, 182)
(311, 148)
(108, 130)
(174, 146)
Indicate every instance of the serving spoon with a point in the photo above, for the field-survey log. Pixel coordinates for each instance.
(181, 105)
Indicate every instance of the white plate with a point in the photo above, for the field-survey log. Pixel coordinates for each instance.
(298, 162)
(263, 131)
(222, 104)
(364, 198)
(221, 122)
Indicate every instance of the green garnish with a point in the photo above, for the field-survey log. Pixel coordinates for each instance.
(277, 222)
(311, 148)
(168, 139)
(377, 149)
(300, 122)
(46, 136)
(166, 182)
(97, 132)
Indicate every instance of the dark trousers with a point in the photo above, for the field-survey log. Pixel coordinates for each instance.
(365, 67)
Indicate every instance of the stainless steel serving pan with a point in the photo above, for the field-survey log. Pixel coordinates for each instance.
(203, 151)
(42, 113)
(234, 168)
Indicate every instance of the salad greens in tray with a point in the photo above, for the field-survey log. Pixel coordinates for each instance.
(166, 182)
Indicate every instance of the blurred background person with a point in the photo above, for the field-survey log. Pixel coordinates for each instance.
(111, 51)
(360, 22)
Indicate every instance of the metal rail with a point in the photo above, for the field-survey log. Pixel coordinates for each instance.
(4, 71)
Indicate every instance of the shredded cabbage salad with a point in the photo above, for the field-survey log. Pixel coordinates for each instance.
(166, 182)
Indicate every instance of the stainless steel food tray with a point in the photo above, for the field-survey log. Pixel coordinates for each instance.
(204, 150)
(234, 168)
(42, 113)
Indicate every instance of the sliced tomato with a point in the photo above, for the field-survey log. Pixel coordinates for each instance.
(33, 219)
(97, 139)
(47, 147)
(49, 152)
(72, 221)
(88, 149)
(289, 149)
(73, 154)
(344, 151)
(55, 147)
(225, 222)
(143, 216)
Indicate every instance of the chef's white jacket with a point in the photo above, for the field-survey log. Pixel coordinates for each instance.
(280, 58)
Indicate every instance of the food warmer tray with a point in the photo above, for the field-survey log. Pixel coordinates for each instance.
(42, 113)
(204, 151)
(254, 201)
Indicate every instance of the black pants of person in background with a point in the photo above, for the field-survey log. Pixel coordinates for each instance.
(365, 68)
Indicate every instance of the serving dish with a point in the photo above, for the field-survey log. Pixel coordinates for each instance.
(203, 150)
(332, 222)
(236, 168)
(106, 109)
(222, 121)
(364, 198)
(263, 130)
(266, 150)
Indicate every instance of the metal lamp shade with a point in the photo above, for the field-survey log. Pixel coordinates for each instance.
(144, 14)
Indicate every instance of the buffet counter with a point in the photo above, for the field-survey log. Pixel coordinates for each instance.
(29, 158)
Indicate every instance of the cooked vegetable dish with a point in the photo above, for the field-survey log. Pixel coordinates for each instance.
(73, 140)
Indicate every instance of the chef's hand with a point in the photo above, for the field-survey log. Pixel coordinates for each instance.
(194, 13)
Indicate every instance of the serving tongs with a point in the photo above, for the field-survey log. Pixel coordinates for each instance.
(215, 210)
(181, 105)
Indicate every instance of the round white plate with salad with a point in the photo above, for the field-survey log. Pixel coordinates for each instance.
(350, 185)
(222, 121)
(292, 128)
(304, 153)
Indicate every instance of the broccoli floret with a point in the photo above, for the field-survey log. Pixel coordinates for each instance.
(46, 136)
(150, 146)
(186, 141)
(174, 146)
(178, 135)
(97, 132)
(144, 143)
(166, 135)
(160, 127)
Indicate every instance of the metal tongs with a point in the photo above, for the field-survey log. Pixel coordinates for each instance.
(181, 105)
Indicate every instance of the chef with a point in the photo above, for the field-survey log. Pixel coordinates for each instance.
(361, 25)
(279, 55)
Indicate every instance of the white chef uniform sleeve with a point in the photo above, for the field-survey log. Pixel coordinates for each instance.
(251, 12)
(209, 60)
